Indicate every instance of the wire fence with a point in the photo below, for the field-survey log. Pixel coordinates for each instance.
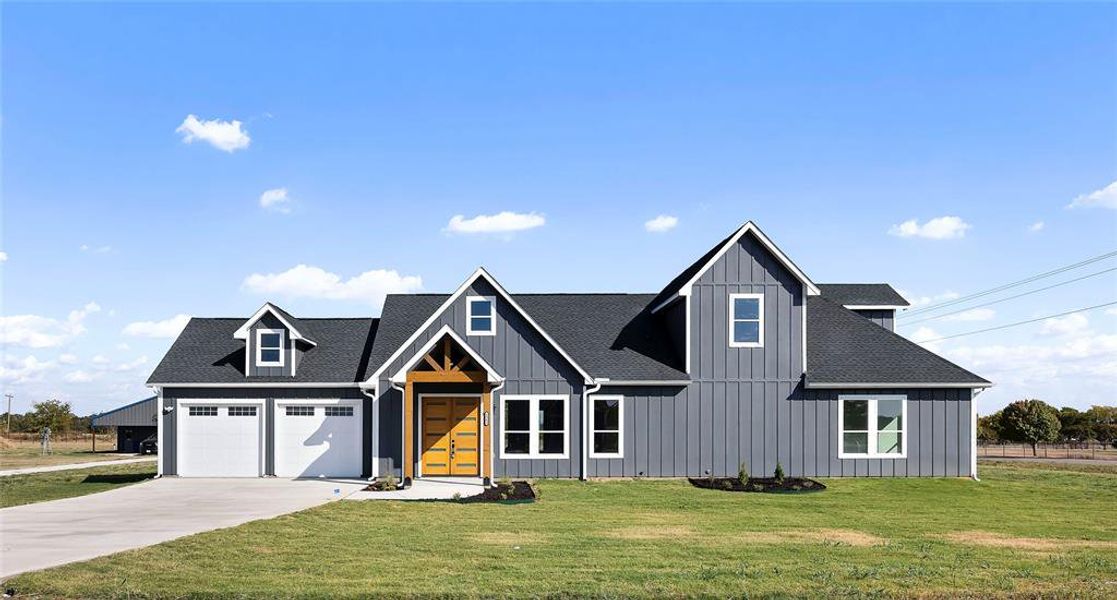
(1076, 450)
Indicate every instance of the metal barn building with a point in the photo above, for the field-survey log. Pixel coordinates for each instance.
(134, 423)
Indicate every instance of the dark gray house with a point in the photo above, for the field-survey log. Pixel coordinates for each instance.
(740, 358)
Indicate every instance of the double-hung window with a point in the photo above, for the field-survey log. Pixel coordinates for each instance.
(607, 426)
(746, 320)
(269, 347)
(480, 315)
(534, 427)
(872, 426)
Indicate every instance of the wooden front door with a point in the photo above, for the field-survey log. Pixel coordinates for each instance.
(451, 436)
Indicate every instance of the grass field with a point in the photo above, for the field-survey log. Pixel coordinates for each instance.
(40, 487)
(1024, 530)
(17, 453)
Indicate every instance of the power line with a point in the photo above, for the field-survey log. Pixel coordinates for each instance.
(1062, 314)
(1029, 292)
(1006, 286)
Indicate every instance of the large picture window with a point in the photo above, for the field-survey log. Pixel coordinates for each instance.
(872, 426)
(269, 347)
(607, 427)
(534, 427)
(480, 318)
(746, 320)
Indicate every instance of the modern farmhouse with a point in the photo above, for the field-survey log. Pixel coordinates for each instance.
(741, 358)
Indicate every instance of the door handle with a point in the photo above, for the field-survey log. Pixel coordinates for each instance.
(451, 448)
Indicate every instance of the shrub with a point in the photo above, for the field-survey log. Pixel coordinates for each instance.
(778, 475)
(743, 473)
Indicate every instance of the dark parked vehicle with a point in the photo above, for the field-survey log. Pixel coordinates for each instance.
(150, 445)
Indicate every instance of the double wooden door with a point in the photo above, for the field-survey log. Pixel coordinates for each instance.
(451, 435)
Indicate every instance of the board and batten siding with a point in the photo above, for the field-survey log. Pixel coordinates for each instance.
(267, 396)
(290, 358)
(714, 427)
(884, 318)
(519, 354)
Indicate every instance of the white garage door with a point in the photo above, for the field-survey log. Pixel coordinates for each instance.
(219, 440)
(318, 440)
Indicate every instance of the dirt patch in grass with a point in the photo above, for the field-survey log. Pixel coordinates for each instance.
(999, 540)
(507, 538)
(658, 532)
(845, 537)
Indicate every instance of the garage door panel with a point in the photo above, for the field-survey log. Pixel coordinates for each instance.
(318, 440)
(219, 441)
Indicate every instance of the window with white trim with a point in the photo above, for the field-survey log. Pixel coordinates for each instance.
(872, 426)
(339, 411)
(534, 427)
(746, 320)
(242, 411)
(269, 347)
(203, 411)
(480, 315)
(607, 426)
(300, 411)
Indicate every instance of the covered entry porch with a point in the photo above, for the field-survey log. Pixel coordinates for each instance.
(447, 411)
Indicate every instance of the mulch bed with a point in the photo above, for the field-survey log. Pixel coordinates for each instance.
(789, 485)
(517, 492)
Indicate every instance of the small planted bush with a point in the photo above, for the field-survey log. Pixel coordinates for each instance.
(778, 475)
(743, 473)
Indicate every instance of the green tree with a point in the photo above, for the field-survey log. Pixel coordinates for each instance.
(989, 427)
(1074, 425)
(51, 413)
(1103, 423)
(1030, 421)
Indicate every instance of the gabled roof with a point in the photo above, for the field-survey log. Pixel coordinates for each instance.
(480, 273)
(207, 353)
(400, 375)
(847, 350)
(284, 317)
(863, 295)
(681, 284)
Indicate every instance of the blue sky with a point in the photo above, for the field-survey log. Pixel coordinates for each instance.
(830, 126)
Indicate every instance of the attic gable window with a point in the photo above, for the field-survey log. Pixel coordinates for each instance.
(480, 318)
(746, 320)
(269, 347)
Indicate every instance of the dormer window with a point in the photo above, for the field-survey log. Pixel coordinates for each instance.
(480, 316)
(269, 347)
(746, 320)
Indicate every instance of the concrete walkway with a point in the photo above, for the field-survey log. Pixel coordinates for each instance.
(47, 534)
(84, 465)
(428, 489)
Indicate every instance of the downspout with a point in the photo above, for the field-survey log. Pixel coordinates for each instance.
(402, 428)
(973, 432)
(586, 425)
(375, 472)
(159, 447)
(492, 431)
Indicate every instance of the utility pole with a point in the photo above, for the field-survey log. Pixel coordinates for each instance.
(8, 427)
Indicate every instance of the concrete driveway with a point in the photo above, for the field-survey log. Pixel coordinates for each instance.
(47, 534)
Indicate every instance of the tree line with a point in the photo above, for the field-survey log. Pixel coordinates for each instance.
(55, 414)
(1035, 421)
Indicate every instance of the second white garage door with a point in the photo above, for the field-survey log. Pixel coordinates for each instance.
(318, 440)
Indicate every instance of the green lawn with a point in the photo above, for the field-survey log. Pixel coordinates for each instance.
(1023, 530)
(39, 487)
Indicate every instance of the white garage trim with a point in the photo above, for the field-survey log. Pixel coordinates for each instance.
(182, 405)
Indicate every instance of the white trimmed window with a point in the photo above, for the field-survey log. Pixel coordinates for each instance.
(534, 427)
(480, 315)
(872, 426)
(269, 347)
(746, 320)
(607, 426)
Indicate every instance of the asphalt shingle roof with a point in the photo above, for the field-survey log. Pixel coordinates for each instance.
(843, 347)
(206, 352)
(862, 294)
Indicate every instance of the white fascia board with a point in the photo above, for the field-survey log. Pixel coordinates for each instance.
(642, 382)
(684, 290)
(874, 306)
(277, 384)
(479, 273)
(845, 386)
(242, 332)
(400, 376)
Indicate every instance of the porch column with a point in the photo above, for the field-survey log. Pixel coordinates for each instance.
(486, 428)
(408, 431)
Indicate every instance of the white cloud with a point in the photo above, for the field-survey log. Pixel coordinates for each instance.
(223, 135)
(95, 249)
(68, 359)
(101, 359)
(1054, 366)
(123, 346)
(917, 301)
(661, 224)
(1073, 323)
(974, 314)
(132, 365)
(78, 377)
(23, 370)
(1036, 227)
(503, 222)
(1111, 311)
(34, 331)
(3, 257)
(314, 282)
(167, 328)
(276, 200)
(1103, 198)
(939, 228)
(922, 336)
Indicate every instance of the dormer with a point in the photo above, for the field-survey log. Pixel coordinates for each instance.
(877, 302)
(272, 343)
